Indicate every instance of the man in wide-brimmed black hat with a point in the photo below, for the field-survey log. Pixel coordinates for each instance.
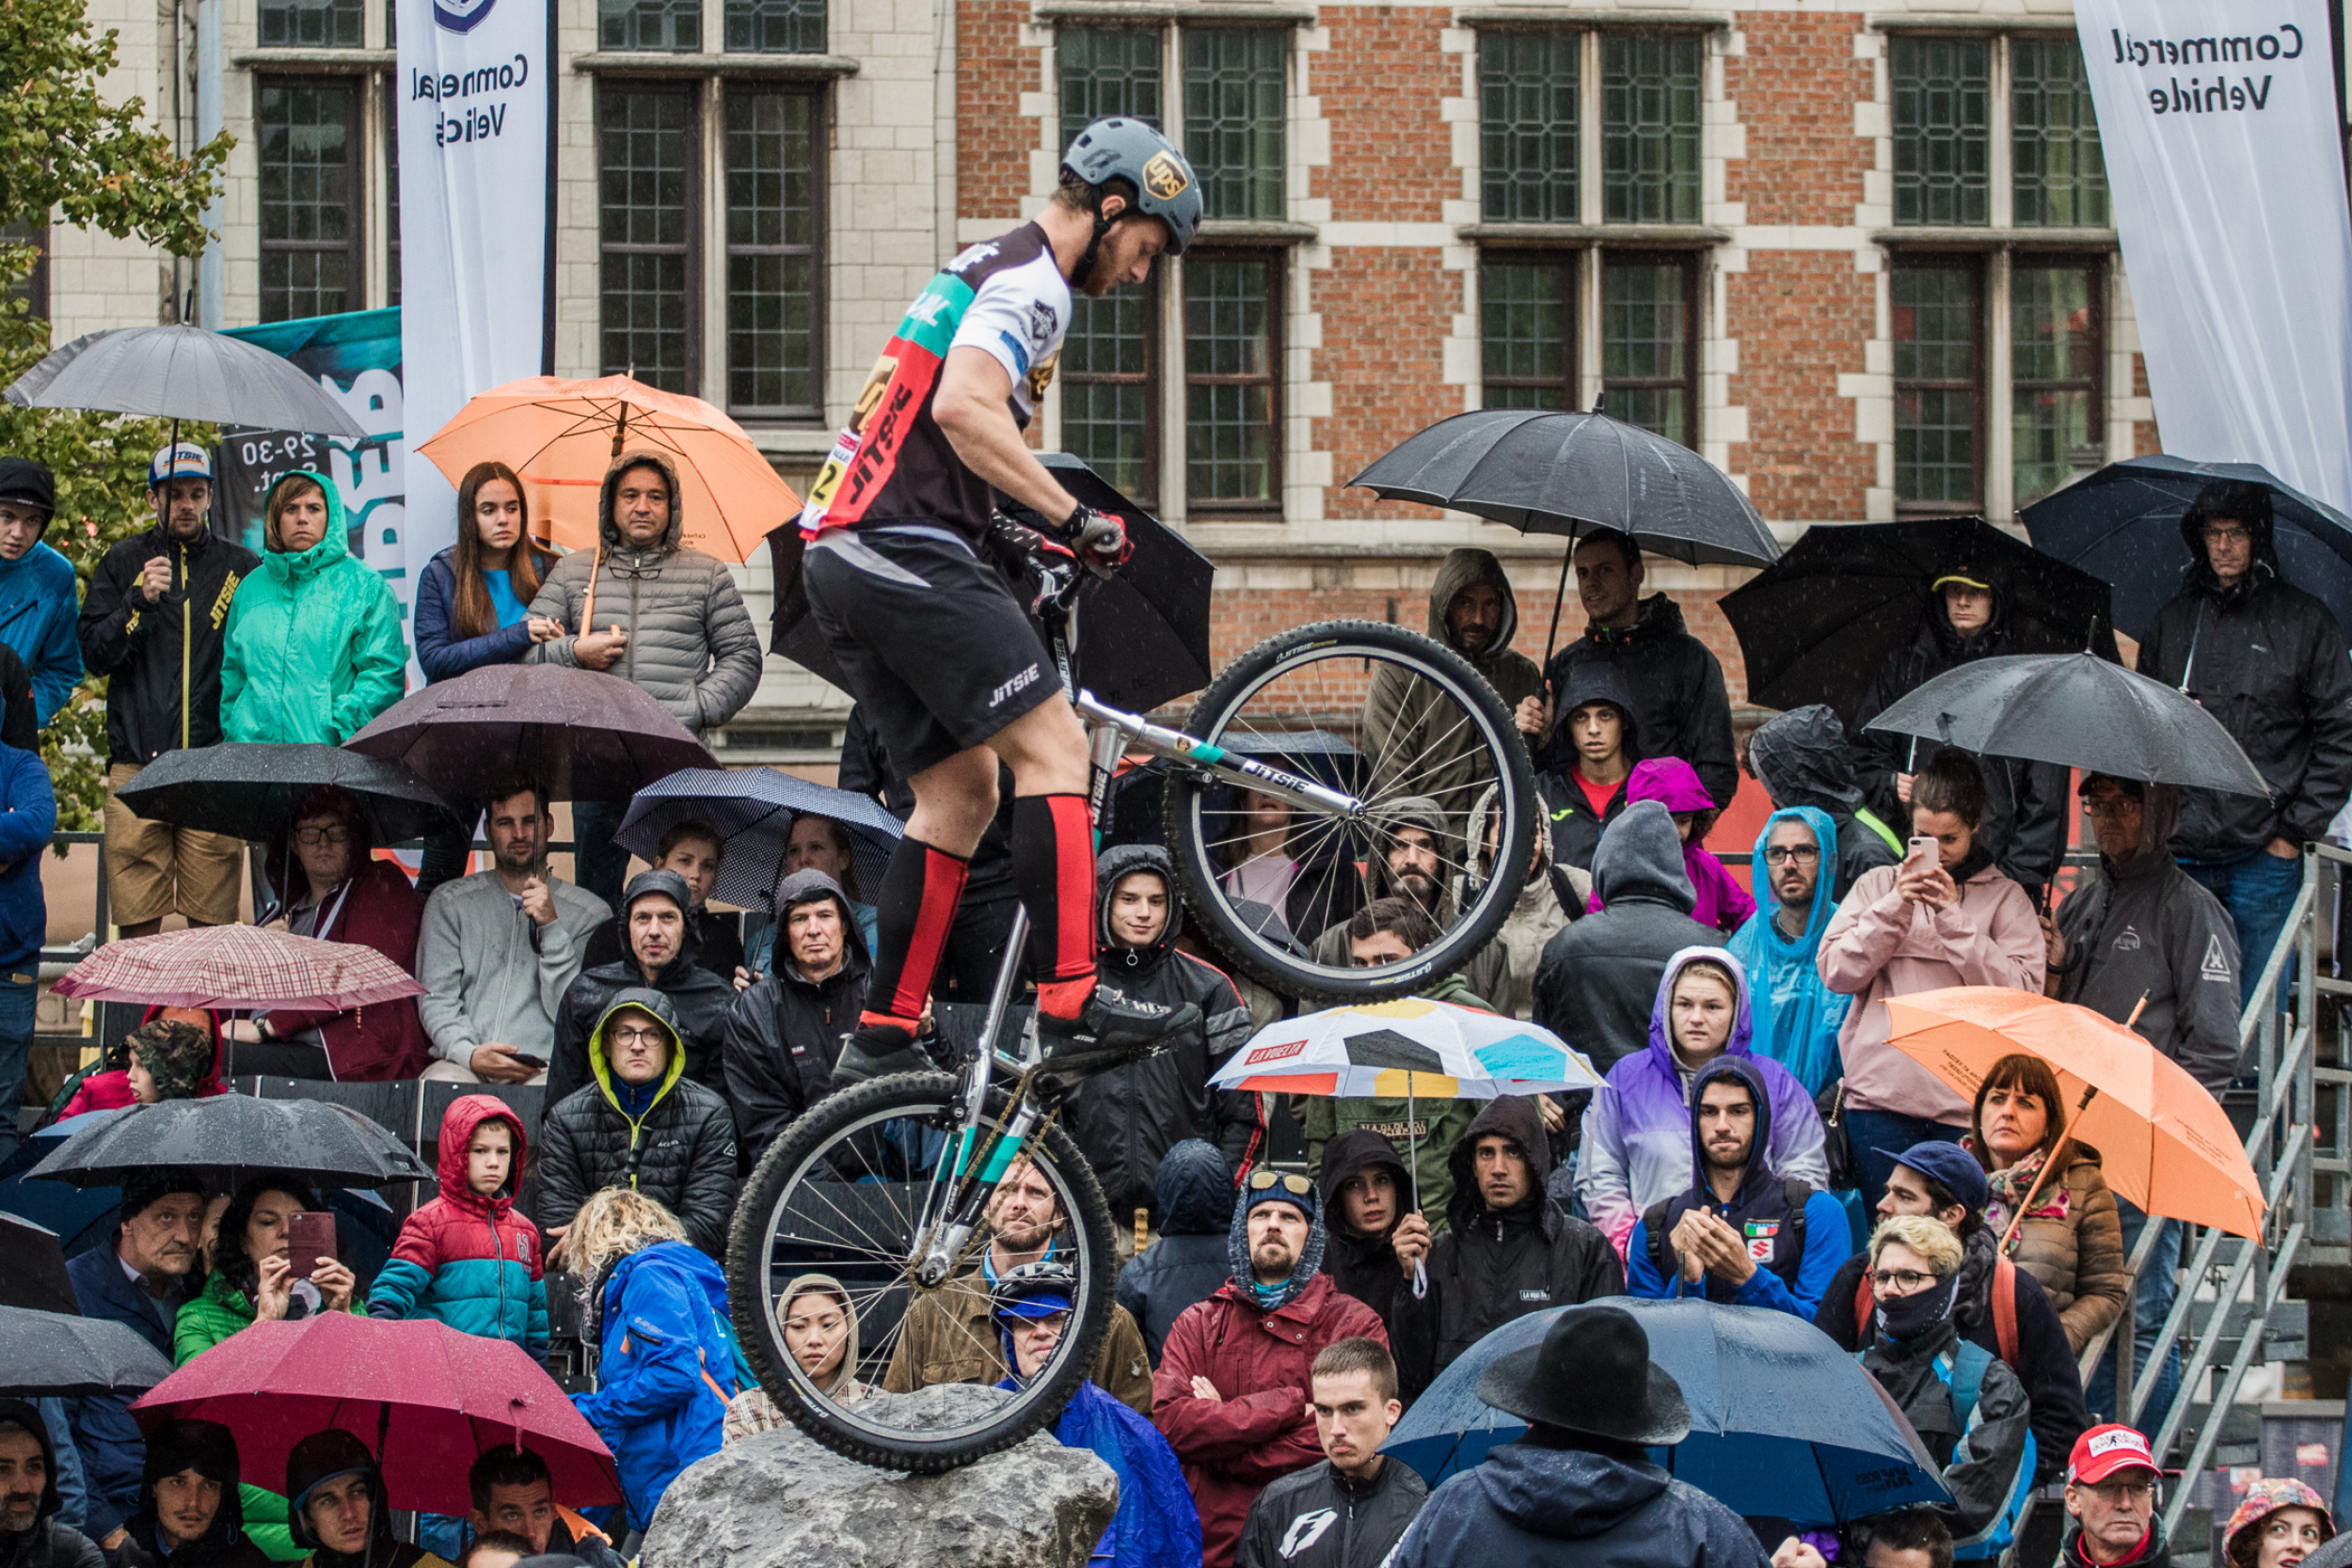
(1579, 1488)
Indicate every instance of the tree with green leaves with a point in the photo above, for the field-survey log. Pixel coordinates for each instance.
(69, 156)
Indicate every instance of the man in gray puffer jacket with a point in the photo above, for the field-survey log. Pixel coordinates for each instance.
(645, 608)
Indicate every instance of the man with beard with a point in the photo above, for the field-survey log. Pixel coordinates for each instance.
(1510, 1251)
(499, 950)
(139, 1280)
(29, 1538)
(1794, 1015)
(1744, 1234)
(663, 957)
(1233, 1390)
(151, 624)
(1366, 1192)
(1418, 855)
(1801, 759)
(1681, 707)
(189, 1514)
(1408, 727)
(950, 1336)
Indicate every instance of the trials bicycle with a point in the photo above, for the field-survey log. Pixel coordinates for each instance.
(891, 1188)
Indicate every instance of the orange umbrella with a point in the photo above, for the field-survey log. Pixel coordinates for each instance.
(560, 435)
(2163, 1141)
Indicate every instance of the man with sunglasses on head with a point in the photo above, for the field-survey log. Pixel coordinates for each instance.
(1233, 1393)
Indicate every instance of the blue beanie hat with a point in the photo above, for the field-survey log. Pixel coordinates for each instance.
(1955, 1168)
(1278, 1190)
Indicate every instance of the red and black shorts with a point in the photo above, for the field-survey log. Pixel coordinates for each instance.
(930, 639)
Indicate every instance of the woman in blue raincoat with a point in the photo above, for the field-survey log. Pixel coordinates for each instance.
(1156, 1525)
(1793, 1013)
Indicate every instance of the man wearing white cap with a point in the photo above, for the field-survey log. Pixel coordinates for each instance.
(152, 621)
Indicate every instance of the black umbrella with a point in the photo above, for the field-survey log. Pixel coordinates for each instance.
(2123, 524)
(183, 373)
(247, 789)
(2076, 710)
(579, 734)
(1817, 625)
(51, 1355)
(32, 1268)
(1546, 473)
(332, 1145)
(1143, 635)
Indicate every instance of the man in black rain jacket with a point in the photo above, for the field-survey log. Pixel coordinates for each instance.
(661, 959)
(782, 1035)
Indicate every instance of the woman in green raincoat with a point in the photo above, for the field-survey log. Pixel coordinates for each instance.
(315, 648)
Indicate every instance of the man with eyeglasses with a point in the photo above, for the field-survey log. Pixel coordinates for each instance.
(2143, 942)
(2112, 1488)
(1794, 1014)
(642, 1124)
(2268, 659)
(1233, 1392)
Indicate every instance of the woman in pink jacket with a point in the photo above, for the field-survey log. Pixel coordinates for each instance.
(1914, 927)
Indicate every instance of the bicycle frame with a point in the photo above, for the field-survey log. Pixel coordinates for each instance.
(952, 1215)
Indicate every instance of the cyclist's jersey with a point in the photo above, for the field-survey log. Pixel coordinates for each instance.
(1007, 297)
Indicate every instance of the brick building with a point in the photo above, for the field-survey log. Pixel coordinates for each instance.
(1861, 258)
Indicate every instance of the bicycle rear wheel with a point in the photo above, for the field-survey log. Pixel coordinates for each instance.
(842, 1193)
(1453, 757)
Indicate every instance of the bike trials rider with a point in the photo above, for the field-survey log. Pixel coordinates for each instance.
(940, 655)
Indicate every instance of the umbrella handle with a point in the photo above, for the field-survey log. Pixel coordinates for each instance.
(2091, 1092)
(588, 609)
(1559, 597)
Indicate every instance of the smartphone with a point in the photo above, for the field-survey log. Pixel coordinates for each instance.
(310, 1236)
(537, 1064)
(1921, 858)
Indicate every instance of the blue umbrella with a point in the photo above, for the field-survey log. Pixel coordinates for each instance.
(1784, 1424)
(2123, 524)
(755, 808)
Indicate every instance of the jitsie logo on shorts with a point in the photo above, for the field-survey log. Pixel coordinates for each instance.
(1020, 682)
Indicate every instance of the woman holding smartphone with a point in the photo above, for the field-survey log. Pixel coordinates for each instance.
(473, 609)
(256, 1277)
(1943, 916)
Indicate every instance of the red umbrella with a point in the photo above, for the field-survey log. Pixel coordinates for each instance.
(238, 966)
(427, 1399)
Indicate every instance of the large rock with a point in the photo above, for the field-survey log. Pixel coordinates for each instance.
(780, 1500)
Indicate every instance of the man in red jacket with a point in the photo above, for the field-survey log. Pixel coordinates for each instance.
(1230, 1394)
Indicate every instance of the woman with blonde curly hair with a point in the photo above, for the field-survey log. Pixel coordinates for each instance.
(665, 1349)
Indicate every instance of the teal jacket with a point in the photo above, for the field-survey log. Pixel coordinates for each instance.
(468, 1260)
(314, 648)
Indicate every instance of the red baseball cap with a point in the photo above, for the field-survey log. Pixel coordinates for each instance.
(2105, 1449)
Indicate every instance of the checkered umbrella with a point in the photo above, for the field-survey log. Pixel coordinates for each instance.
(228, 967)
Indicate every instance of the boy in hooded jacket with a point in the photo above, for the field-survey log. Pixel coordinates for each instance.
(467, 1259)
(158, 1534)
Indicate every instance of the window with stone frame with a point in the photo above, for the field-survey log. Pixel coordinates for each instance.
(1938, 360)
(648, 231)
(1235, 108)
(2056, 353)
(1233, 380)
(1528, 119)
(309, 131)
(2058, 177)
(775, 250)
(309, 24)
(1649, 344)
(1943, 91)
(773, 27)
(1651, 92)
(1526, 309)
(654, 27)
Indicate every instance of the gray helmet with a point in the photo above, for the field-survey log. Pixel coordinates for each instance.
(1165, 187)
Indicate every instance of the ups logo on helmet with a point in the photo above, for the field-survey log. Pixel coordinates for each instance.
(1164, 177)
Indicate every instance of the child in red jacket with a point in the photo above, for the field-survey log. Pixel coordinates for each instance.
(173, 1055)
(467, 1258)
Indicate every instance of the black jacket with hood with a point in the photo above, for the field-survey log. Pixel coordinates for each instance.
(162, 660)
(1319, 1519)
(1574, 831)
(1598, 979)
(1411, 728)
(680, 1148)
(691, 645)
(1363, 1266)
(1126, 1119)
(699, 999)
(1534, 1505)
(1493, 1265)
(1190, 1260)
(1800, 758)
(784, 1035)
(2142, 927)
(2266, 659)
(322, 1456)
(48, 1544)
(208, 1449)
(1680, 705)
(2026, 810)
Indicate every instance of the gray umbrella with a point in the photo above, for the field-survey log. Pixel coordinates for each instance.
(229, 1133)
(2076, 710)
(247, 788)
(183, 373)
(50, 1356)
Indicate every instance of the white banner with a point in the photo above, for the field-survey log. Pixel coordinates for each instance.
(476, 88)
(2218, 121)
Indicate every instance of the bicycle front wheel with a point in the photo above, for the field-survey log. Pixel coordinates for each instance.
(1409, 729)
(843, 1194)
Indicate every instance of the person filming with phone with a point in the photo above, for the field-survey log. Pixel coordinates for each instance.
(499, 950)
(1944, 915)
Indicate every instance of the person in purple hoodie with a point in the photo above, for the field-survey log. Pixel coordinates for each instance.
(1637, 1130)
(1675, 784)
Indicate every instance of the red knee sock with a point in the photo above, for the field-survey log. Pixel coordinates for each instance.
(915, 911)
(1053, 864)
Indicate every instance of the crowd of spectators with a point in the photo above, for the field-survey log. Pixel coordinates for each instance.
(1274, 1322)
